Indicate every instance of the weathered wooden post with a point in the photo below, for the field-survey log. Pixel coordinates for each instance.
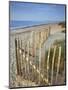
(22, 59)
(20, 51)
(48, 64)
(28, 60)
(19, 57)
(33, 72)
(25, 61)
(39, 56)
(16, 49)
(58, 63)
(17, 46)
(39, 62)
(53, 64)
(35, 58)
(43, 64)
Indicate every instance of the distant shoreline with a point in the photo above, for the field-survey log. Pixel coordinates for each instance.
(54, 27)
(21, 27)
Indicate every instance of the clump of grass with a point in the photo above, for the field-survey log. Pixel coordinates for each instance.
(62, 44)
(62, 62)
(62, 24)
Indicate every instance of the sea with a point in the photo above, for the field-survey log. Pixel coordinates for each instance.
(22, 24)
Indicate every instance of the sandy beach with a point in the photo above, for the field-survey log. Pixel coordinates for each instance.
(53, 27)
(26, 34)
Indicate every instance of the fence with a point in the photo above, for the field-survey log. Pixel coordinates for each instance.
(35, 63)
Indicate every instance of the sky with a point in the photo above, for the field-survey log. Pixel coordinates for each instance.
(36, 12)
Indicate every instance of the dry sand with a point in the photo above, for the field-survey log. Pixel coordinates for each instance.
(24, 33)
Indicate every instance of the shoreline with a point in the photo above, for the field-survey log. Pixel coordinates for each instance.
(21, 27)
(54, 27)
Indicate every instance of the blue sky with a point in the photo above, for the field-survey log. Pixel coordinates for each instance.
(36, 12)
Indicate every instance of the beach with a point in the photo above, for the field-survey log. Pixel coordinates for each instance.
(29, 34)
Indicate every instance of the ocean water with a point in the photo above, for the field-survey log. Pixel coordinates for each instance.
(22, 24)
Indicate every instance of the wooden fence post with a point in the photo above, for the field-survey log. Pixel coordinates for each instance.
(19, 57)
(39, 62)
(58, 63)
(16, 49)
(53, 65)
(28, 60)
(48, 64)
(20, 51)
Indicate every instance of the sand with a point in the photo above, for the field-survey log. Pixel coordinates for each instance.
(22, 34)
